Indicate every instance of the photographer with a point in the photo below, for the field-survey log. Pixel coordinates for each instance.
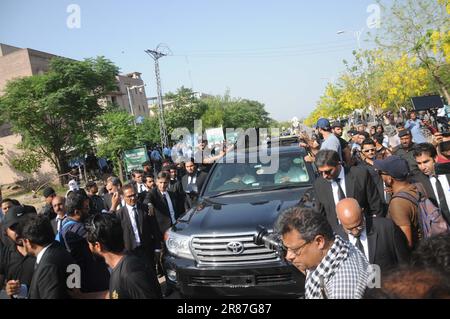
(334, 268)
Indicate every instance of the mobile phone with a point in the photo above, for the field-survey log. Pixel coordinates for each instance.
(446, 134)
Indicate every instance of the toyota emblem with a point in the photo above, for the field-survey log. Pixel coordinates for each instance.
(235, 247)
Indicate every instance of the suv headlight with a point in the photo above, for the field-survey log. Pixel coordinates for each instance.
(178, 245)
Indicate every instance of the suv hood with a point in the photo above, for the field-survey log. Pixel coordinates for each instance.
(239, 213)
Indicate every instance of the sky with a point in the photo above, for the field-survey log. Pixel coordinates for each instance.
(281, 53)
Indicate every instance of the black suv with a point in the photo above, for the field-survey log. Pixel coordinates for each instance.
(212, 250)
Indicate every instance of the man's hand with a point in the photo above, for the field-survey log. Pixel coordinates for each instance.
(12, 287)
(115, 200)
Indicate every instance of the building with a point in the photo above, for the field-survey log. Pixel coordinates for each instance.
(21, 62)
(130, 88)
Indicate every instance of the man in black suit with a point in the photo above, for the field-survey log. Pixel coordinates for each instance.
(192, 182)
(436, 186)
(140, 230)
(337, 182)
(167, 207)
(381, 241)
(49, 193)
(367, 156)
(49, 279)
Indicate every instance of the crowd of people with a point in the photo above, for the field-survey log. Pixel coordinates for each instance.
(380, 200)
(385, 201)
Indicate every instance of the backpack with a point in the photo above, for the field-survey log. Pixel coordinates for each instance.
(430, 218)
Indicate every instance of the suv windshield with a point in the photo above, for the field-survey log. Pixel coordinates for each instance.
(229, 177)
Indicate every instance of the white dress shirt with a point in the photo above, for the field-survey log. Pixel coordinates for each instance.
(134, 224)
(445, 186)
(363, 238)
(171, 210)
(192, 179)
(41, 253)
(141, 188)
(335, 187)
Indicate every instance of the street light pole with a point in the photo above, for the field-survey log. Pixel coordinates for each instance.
(131, 105)
(129, 99)
(357, 35)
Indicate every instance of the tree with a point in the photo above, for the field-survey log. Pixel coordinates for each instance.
(148, 131)
(117, 133)
(411, 27)
(57, 112)
(245, 114)
(186, 108)
(376, 81)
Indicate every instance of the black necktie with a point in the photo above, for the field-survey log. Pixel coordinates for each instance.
(359, 245)
(341, 194)
(141, 188)
(136, 218)
(442, 200)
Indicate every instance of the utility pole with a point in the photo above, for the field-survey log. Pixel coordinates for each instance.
(156, 55)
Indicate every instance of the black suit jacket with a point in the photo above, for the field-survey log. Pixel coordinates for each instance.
(50, 275)
(107, 200)
(387, 244)
(201, 177)
(162, 213)
(425, 181)
(148, 230)
(359, 185)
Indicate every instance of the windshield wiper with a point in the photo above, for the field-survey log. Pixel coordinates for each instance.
(282, 186)
(233, 191)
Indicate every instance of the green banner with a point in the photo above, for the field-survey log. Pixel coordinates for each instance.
(134, 158)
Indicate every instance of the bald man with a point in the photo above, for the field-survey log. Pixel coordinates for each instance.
(382, 242)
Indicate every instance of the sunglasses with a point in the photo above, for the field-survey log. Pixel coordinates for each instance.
(327, 172)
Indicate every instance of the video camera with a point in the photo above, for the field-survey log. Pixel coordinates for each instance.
(270, 240)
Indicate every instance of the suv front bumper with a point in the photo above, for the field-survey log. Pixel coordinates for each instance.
(269, 280)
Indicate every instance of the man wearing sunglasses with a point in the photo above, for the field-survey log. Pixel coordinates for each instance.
(368, 155)
(337, 182)
(381, 241)
(334, 268)
(140, 231)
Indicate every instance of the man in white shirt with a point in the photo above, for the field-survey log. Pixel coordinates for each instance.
(437, 186)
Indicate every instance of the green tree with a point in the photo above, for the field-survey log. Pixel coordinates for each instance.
(410, 26)
(117, 133)
(148, 131)
(186, 108)
(245, 114)
(57, 112)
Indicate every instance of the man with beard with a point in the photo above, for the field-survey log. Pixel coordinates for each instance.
(47, 210)
(330, 141)
(405, 150)
(72, 235)
(130, 277)
(16, 266)
(192, 183)
(394, 171)
(346, 154)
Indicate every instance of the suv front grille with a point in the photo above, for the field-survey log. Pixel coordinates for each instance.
(218, 250)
